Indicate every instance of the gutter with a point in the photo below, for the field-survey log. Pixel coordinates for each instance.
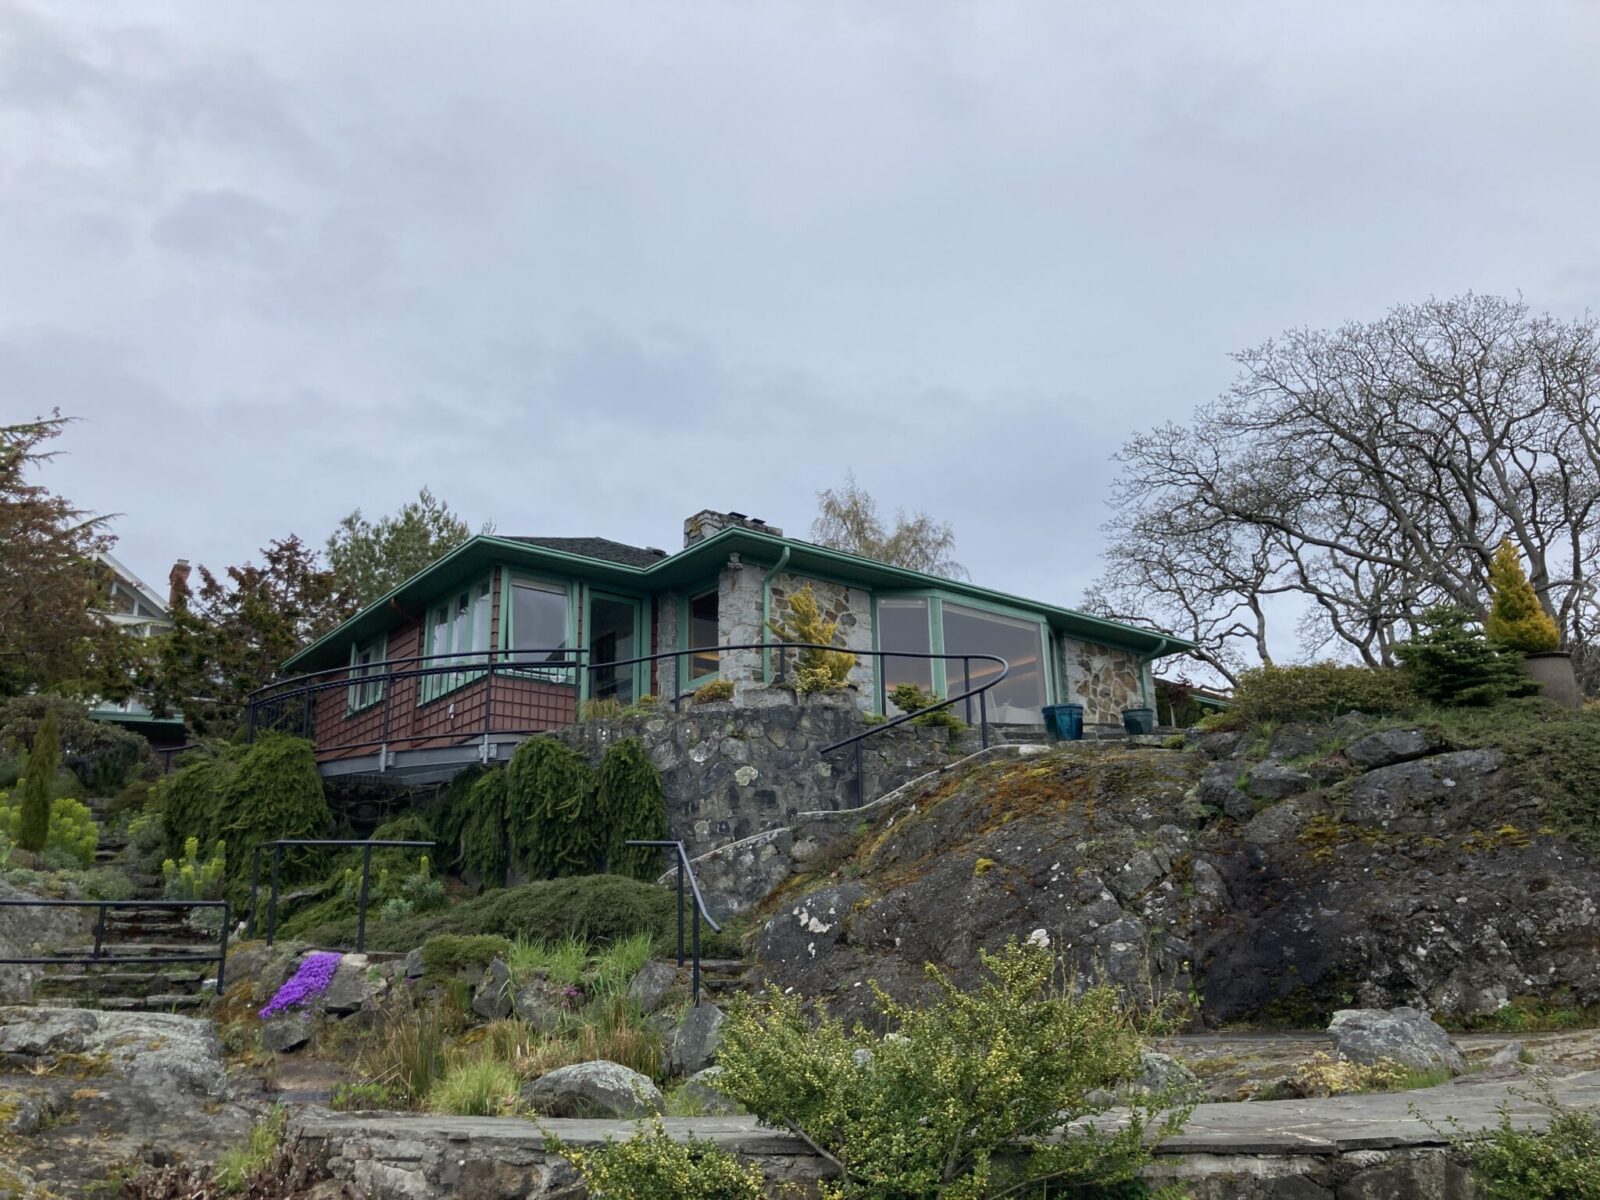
(1144, 672)
(766, 609)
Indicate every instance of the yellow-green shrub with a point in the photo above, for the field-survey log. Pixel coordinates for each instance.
(652, 1164)
(815, 670)
(72, 829)
(1515, 619)
(1316, 691)
(193, 879)
(710, 693)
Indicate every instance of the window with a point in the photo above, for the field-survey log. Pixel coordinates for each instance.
(458, 634)
(1019, 697)
(538, 629)
(703, 632)
(903, 629)
(366, 669)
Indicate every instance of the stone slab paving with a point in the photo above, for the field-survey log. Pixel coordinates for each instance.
(1328, 1125)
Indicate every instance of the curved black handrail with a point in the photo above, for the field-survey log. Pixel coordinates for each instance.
(685, 870)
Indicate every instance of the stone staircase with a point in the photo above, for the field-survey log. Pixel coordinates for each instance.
(723, 978)
(132, 932)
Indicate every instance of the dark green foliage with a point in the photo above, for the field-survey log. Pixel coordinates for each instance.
(448, 813)
(103, 756)
(599, 908)
(276, 792)
(33, 830)
(631, 803)
(1314, 692)
(1452, 662)
(551, 796)
(908, 698)
(190, 797)
(483, 833)
(447, 953)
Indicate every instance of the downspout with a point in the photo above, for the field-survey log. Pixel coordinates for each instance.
(1144, 673)
(766, 610)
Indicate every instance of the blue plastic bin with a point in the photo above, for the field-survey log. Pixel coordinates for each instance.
(1139, 720)
(1064, 722)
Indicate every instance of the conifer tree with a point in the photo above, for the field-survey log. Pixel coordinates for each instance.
(1515, 619)
(632, 805)
(33, 832)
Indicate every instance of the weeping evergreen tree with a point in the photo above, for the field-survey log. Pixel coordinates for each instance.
(275, 792)
(632, 804)
(483, 827)
(551, 802)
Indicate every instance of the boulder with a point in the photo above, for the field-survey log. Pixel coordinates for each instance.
(1407, 1036)
(413, 964)
(1387, 747)
(694, 1044)
(1217, 746)
(353, 987)
(701, 1092)
(1408, 790)
(1297, 739)
(540, 1004)
(1273, 781)
(1219, 788)
(285, 1032)
(1162, 1075)
(491, 999)
(652, 985)
(595, 1090)
(1509, 1055)
(160, 1054)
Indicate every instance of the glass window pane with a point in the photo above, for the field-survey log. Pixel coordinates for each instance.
(538, 625)
(703, 632)
(903, 627)
(1021, 695)
(480, 622)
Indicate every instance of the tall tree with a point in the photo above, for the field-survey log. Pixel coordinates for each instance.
(50, 581)
(1370, 472)
(374, 557)
(847, 519)
(232, 634)
(33, 831)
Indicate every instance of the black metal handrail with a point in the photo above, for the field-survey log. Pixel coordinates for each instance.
(685, 870)
(486, 664)
(368, 846)
(98, 957)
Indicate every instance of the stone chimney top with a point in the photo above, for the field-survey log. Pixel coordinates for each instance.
(178, 584)
(708, 522)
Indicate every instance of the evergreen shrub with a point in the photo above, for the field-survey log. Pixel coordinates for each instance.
(1313, 692)
(1452, 662)
(631, 804)
(71, 834)
(551, 793)
(32, 827)
(1516, 620)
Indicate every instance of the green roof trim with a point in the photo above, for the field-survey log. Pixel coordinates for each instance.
(691, 565)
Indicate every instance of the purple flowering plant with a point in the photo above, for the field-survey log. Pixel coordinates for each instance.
(305, 985)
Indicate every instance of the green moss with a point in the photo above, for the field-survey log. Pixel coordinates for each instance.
(447, 953)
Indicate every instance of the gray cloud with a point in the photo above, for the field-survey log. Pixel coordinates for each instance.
(587, 269)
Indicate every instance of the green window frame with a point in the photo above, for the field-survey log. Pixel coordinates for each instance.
(566, 589)
(366, 658)
(457, 626)
(692, 672)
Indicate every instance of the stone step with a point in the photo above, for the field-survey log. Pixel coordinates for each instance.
(158, 1003)
(121, 983)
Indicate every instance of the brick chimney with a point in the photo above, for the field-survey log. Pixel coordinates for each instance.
(708, 522)
(178, 584)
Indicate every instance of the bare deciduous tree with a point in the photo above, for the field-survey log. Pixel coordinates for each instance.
(847, 519)
(1371, 471)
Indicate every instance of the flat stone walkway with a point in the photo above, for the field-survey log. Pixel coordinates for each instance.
(1324, 1126)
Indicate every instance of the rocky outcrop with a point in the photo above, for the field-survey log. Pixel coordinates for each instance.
(1430, 879)
(29, 933)
(696, 1040)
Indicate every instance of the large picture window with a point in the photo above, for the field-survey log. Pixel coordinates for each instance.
(903, 629)
(1020, 696)
(458, 630)
(703, 631)
(537, 633)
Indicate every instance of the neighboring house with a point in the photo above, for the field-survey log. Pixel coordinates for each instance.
(134, 606)
(404, 684)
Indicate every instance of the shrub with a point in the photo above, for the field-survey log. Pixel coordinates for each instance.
(983, 1078)
(1562, 1163)
(1315, 692)
(31, 829)
(103, 757)
(276, 792)
(448, 953)
(483, 831)
(653, 1164)
(190, 797)
(193, 879)
(478, 1088)
(711, 693)
(632, 804)
(448, 813)
(1516, 621)
(551, 801)
(71, 834)
(601, 709)
(908, 698)
(1451, 662)
(815, 670)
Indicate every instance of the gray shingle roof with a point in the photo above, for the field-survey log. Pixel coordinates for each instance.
(601, 548)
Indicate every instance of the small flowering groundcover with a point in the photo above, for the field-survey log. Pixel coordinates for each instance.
(305, 985)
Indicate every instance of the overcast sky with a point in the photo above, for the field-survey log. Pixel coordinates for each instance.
(586, 268)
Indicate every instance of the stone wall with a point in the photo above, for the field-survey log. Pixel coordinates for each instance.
(732, 771)
(664, 677)
(851, 608)
(1104, 679)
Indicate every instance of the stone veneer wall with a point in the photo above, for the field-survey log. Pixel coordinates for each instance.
(734, 771)
(851, 608)
(1104, 679)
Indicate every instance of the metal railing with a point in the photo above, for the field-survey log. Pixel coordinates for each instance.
(98, 956)
(292, 703)
(685, 871)
(278, 847)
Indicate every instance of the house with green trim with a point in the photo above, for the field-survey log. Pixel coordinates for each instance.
(506, 636)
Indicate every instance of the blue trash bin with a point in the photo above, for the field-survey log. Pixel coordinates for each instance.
(1064, 722)
(1139, 720)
